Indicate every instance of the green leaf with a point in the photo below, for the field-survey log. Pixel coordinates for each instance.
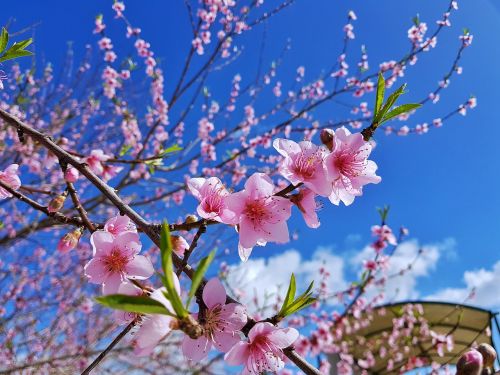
(168, 270)
(18, 46)
(380, 93)
(290, 294)
(416, 20)
(201, 270)
(171, 149)
(291, 305)
(404, 108)
(389, 103)
(165, 245)
(136, 304)
(124, 149)
(4, 39)
(9, 55)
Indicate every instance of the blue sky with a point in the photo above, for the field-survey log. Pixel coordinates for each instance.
(442, 185)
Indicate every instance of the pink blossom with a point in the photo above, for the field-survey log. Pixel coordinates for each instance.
(384, 233)
(71, 174)
(306, 203)
(179, 245)
(119, 224)
(69, 241)
(304, 163)
(95, 160)
(348, 167)
(264, 350)
(115, 260)
(10, 178)
(154, 327)
(470, 363)
(222, 323)
(212, 196)
(261, 215)
(110, 171)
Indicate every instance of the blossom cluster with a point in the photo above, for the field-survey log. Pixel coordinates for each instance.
(338, 170)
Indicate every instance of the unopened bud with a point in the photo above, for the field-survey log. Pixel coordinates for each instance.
(57, 203)
(470, 363)
(179, 244)
(191, 219)
(489, 355)
(71, 174)
(326, 137)
(69, 241)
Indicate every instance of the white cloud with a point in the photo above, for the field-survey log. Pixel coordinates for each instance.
(486, 284)
(403, 287)
(265, 279)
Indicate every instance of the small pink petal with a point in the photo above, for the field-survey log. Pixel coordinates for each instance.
(214, 293)
(196, 350)
(238, 354)
(139, 268)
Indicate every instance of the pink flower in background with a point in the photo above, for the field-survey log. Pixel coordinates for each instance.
(69, 241)
(110, 171)
(384, 233)
(120, 224)
(10, 178)
(154, 327)
(116, 259)
(179, 245)
(71, 174)
(470, 363)
(211, 193)
(264, 350)
(348, 167)
(304, 163)
(95, 160)
(306, 203)
(261, 215)
(222, 323)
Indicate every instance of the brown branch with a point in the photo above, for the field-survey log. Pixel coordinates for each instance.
(201, 229)
(63, 219)
(110, 347)
(66, 158)
(78, 205)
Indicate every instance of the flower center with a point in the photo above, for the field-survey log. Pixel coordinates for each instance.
(256, 210)
(115, 261)
(348, 164)
(212, 321)
(305, 166)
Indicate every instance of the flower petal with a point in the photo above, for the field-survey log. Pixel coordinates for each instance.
(139, 268)
(96, 271)
(102, 242)
(284, 337)
(196, 350)
(225, 340)
(112, 283)
(214, 293)
(238, 354)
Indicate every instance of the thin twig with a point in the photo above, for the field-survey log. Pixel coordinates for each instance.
(110, 347)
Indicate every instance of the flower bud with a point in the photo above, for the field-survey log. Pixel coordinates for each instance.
(179, 244)
(71, 174)
(69, 241)
(57, 203)
(191, 219)
(326, 137)
(470, 363)
(489, 355)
